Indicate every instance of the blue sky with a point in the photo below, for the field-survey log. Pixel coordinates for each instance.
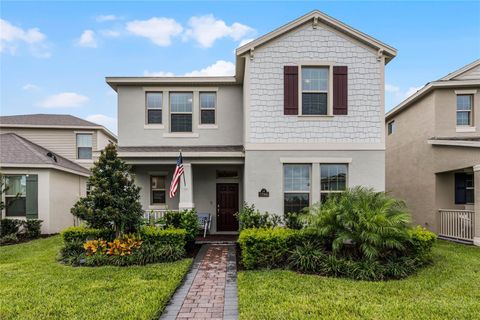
(55, 55)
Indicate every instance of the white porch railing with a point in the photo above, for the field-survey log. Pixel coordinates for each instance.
(457, 224)
(152, 215)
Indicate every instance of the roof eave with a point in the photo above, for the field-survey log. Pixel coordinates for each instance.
(114, 82)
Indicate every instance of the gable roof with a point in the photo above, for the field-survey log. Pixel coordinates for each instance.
(51, 121)
(17, 151)
(447, 81)
(321, 17)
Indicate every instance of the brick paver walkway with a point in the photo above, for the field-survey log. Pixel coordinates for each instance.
(209, 290)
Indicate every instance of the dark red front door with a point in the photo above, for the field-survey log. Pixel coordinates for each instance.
(227, 206)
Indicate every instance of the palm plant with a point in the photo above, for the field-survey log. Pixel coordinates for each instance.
(361, 223)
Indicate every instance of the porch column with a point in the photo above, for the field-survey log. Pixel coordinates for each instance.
(476, 184)
(186, 188)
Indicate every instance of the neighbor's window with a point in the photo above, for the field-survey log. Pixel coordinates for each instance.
(391, 127)
(296, 186)
(84, 146)
(464, 109)
(181, 111)
(16, 206)
(154, 107)
(157, 190)
(469, 188)
(314, 90)
(208, 104)
(333, 179)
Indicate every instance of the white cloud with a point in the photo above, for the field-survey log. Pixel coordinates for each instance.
(107, 17)
(219, 68)
(244, 42)
(391, 88)
(106, 121)
(30, 87)
(87, 39)
(159, 30)
(158, 74)
(110, 33)
(64, 100)
(411, 91)
(12, 36)
(207, 29)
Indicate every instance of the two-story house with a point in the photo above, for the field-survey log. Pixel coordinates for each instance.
(45, 159)
(301, 118)
(433, 154)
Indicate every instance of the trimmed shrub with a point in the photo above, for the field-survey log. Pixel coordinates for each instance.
(31, 228)
(249, 217)
(84, 234)
(264, 248)
(9, 239)
(421, 242)
(9, 226)
(186, 219)
(151, 234)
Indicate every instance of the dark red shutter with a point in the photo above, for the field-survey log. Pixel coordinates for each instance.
(340, 90)
(290, 90)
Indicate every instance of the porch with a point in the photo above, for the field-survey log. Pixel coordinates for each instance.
(215, 189)
(458, 196)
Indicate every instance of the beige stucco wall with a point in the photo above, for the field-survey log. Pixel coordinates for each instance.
(57, 193)
(133, 131)
(65, 190)
(415, 169)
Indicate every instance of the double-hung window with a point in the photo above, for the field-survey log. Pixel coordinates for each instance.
(181, 111)
(296, 186)
(391, 127)
(157, 190)
(333, 179)
(208, 104)
(15, 195)
(84, 146)
(464, 109)
(154, 107)
(464, 188)
(315, 90)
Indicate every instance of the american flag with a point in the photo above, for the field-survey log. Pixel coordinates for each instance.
(176, 176)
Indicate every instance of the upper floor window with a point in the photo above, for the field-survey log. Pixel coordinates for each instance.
(333, 179)
(208, 105)
(157, 190)
(296, 187)
(181, 111)
(391, 127)
(84, 146)
(464, 109)
(154, 107)
(315, 90)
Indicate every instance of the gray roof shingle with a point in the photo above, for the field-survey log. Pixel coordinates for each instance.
(46, 120)
(15, 149)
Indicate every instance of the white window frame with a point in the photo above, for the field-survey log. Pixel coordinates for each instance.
(309, 165)
(77, 133)
(6, 196)
(158, 189)
(391, 127)
(470, 112)
(207, 125)
(472, 187)
(147, 108)
(172, 113)
(316, 64)
(333, 191)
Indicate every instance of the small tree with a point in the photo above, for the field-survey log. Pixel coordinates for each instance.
(113, 197)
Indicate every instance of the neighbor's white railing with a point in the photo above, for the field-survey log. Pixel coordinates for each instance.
(457, 224)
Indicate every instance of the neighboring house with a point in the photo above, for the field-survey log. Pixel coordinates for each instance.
(302, 118)
(45, 159)
(433, 154)
(76, 139)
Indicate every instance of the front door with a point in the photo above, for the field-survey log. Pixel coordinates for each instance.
(227, 206)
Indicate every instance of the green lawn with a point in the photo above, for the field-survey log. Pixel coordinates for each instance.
(33, 285)
(450, 289)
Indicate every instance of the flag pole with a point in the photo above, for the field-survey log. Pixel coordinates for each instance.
(183, 174)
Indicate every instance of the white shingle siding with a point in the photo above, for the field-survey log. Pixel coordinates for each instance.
(268, 124)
